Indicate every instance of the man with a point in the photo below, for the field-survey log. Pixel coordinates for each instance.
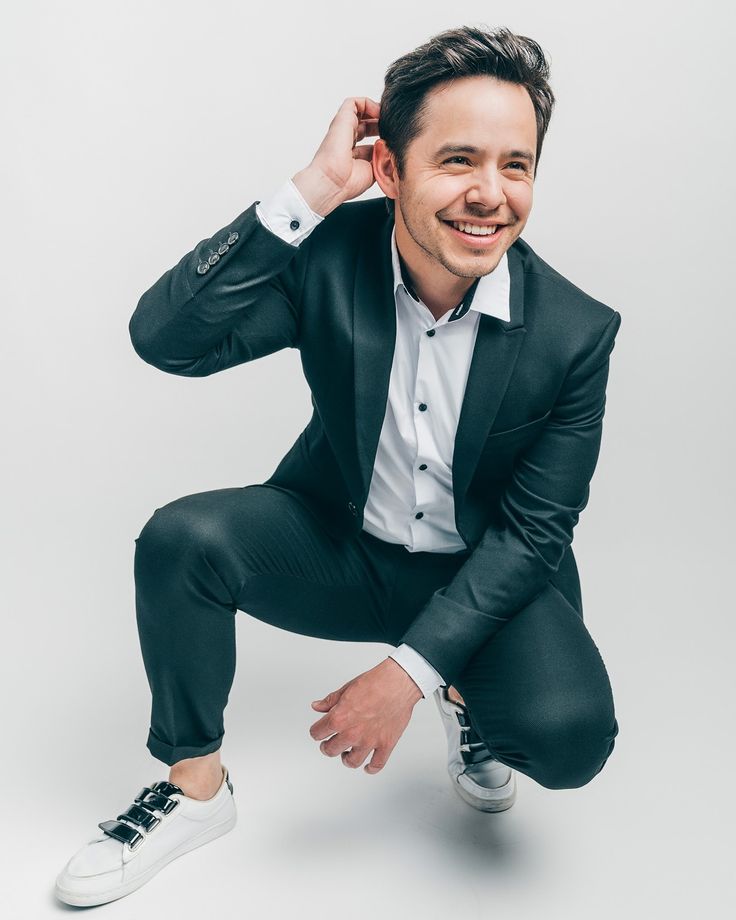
(458, 385)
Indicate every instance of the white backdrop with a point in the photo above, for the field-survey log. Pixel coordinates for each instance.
(134, 130)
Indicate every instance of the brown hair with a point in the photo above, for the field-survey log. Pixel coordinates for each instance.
(464, 52)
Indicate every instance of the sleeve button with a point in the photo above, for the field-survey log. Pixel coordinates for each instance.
(222, 248)
(233, 238)
(203, 268)
(213, 259)
(294, 225)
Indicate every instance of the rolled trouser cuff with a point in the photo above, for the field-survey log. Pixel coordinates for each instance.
(171, 754)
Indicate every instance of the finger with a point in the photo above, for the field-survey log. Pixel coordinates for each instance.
(327, 702)
(367, 128)
(378, 761)
(335, 745)
(363, 152)
(364, 106)
(355, 757)
(321, 729)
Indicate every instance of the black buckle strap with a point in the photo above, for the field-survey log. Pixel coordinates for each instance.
(142, 817)
(472, 747)
(141, 814)
(123, 832)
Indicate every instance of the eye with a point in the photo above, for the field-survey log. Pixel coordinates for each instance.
(457, 158)
(517, 163)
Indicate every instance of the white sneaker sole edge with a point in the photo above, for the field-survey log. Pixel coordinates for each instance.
(89, 900)
(503, 798)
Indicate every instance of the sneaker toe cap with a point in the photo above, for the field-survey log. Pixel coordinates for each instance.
(99, 856)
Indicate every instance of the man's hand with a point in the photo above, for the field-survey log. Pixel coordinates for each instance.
(341, 169)
(368, 713)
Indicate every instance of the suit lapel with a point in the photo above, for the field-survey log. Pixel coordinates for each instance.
(374, 340)
(497, 347)
(496, 350)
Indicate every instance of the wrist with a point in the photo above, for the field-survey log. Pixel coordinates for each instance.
(413, 689)
(318, 191)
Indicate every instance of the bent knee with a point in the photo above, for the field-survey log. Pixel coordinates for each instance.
(567, 750)
(177, 527)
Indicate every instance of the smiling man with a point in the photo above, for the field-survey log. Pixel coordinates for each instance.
(467, 188)
(458, 386)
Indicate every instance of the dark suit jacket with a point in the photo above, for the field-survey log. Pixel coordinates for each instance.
(530, 427)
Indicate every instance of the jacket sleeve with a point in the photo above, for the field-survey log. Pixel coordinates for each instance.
(234, 298)
(515, 559)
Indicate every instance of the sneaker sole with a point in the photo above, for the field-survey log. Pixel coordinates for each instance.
(89, 900)
(506, 796)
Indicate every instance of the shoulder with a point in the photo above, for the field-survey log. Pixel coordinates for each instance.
(552, 299)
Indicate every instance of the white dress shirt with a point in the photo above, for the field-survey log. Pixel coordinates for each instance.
(410, 500)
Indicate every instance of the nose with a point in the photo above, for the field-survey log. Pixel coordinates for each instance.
(486, 190)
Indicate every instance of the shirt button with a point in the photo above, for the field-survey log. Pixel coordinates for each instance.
(419, 514)
(423, 466)
(430, 332)
(422, 407)
(294, 225)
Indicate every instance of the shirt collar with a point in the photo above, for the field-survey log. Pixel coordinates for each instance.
(488, 294)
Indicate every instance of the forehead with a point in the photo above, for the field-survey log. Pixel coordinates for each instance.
(478, 110)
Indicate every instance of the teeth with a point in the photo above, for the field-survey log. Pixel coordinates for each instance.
(474, 229)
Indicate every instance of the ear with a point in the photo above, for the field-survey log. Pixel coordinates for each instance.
(384, 169)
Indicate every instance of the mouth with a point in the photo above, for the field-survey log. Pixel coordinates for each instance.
(476, 235)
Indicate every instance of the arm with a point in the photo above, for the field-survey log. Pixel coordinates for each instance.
(200, 318)
(418, 668)
(236, 296)
(540, 507)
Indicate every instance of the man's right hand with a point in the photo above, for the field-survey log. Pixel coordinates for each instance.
(340, 170)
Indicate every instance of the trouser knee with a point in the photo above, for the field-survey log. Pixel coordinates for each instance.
(182, 552)
(569, 754)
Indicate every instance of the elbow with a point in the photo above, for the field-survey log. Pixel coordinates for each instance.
(148, 351)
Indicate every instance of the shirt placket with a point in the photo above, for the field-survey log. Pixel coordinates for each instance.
(422, 408)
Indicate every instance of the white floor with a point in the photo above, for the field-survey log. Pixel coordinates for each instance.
(650, 837)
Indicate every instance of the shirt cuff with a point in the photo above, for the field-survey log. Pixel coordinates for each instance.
(418, 668)
(287, 214)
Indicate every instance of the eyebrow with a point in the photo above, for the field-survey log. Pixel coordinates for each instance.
(468, 148)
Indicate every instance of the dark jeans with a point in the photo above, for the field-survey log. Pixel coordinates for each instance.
(538, 692)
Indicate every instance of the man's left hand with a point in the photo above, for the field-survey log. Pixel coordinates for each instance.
(368, 713)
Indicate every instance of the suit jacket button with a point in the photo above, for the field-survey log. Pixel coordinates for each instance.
(203, 268)
(222, 248)
(213, 258)
(353, 509)
(233, 238)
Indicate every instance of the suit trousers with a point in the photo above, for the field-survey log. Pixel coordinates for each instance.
(537, 692)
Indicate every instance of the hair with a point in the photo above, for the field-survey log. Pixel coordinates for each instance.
(455, 53)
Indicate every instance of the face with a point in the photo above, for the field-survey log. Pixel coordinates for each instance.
(473, 162)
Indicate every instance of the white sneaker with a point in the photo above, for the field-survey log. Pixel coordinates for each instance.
(162, 824)
(478, 779)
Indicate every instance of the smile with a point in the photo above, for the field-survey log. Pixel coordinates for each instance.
(475, 234)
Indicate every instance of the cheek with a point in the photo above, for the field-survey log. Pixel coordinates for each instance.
(520, 199)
